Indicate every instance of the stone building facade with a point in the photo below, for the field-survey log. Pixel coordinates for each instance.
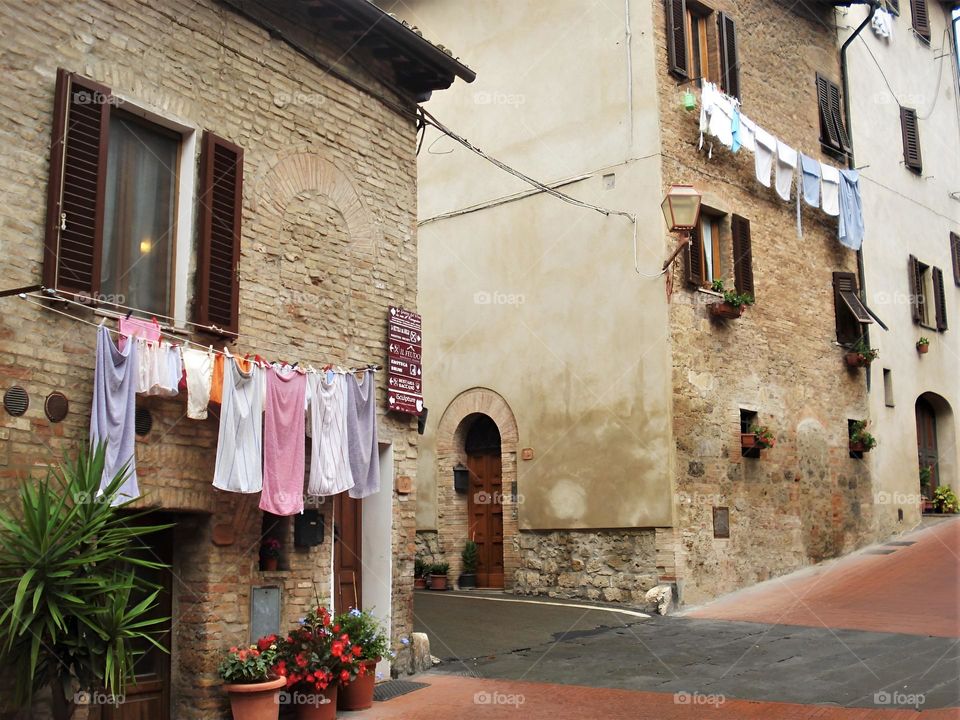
(629, 400)
(328, 241)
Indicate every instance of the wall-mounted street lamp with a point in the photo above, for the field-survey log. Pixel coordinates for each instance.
(681, 207)
(461, 478)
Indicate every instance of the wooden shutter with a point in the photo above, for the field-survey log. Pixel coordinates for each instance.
(75, 191)
(921, 18)
(832, 132)
(955, 254)
(676, 11)
(729, 61)
(939, 299)
(911, 139)
(848, 329)
(218, 265)
(742, 255)
(836, 113)
(916, 299)
(694, 258)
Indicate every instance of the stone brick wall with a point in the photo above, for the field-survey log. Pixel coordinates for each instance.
(328, 244)
(805, 499)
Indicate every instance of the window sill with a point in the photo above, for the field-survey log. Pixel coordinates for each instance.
(708, 291)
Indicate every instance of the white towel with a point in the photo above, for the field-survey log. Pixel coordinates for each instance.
(882, 24)
(830, 189)
(766, 144)
(786, 164)
(748, 131)
(721, 120)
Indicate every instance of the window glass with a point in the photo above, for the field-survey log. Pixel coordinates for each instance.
(139, 214)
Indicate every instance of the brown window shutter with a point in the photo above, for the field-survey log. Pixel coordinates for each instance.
(849, 329)
(218, 263)
(836, 112)
(729, 60)
(911, 139)
(921, 18)
(955, 254)
(75, 191)
(828, 132)
(939, 299)
(742, 255)
(694, 258)
(677, 37)
(913, 271)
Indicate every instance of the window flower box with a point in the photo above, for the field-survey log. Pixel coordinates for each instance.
(733, 303)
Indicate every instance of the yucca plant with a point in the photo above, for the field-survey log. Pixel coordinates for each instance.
(71, 605)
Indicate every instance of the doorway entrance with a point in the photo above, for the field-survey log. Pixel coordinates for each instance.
(927, 453)
(347, 553)
(149, 697)
(485, 500)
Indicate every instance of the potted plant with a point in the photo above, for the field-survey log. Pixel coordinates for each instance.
(269, 554)
(438, 576)
(926, 473)
(419, 573)
(315, 657)
(758, 438)
(945, 500)
(923, 345)
(860, 440)
(251, 682)
(69, 623)
(733, 303)
(861, 354)
(367, 634)
(470, 558)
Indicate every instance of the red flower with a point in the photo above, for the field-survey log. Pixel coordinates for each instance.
(336, 649)
(357, 651)
(336, 628)
(344, 676)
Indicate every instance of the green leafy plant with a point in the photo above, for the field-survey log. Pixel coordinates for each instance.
(730, 297)
(764, 436)
(253, 664)
(317, 653)
(365, 631)
(867, 354)
(420, 567)
(945, 500)
(925, 475)
(470, 556)
(923, 341)
(439, 568)
(73, 607)
(859, 435)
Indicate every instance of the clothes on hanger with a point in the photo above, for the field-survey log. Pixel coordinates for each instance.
(131, 327)
(810, 176)
(786, 164)
(284, 443)
(198, 365)
(766, 145)
(239, 465)
(829, 189)
(850, 229)
(330, 471)
(362, 435)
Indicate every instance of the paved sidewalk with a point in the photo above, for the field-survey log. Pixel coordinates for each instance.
(466, 697)
(904, 588)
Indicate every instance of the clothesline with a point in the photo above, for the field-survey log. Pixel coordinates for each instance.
(31, 299)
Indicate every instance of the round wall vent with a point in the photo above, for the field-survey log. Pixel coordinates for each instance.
(56, 406)
(16, 401)
(143, 422)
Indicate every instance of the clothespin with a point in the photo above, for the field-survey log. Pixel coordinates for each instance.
(129, 313)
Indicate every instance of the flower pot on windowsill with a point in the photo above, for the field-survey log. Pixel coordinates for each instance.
(726, 310)
(856, 360)
(438, 582)
(255, 701)
(923, 348)
(748, 441)
(858, 447)
(269, 564)
(358, 693)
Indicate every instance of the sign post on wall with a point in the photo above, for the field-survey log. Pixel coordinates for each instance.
(404, 372)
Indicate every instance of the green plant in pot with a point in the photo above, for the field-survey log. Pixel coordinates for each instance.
(367, 634)
(251, 681)
(923, 345)
(420, 568)
(733, 302)
(861, 354)
(945, 500)
(470, 557)
(926, 475)
(860, 439)
(76, 615)
(438, 576)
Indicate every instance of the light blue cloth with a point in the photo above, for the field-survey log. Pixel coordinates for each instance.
(735, 128)
(850, 230)
(810, 173)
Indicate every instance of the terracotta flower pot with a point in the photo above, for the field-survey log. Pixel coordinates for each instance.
(927, 505)
(255, 701)
(726, 310)
(858, 447)
(748, 441)
(310, 707)
(438, 582)
(358, 693)
(270, 564)
(856, 360)
(419, 583)
(922, 349)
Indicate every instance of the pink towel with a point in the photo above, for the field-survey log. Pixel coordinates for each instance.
(283, 443)
(132, 327)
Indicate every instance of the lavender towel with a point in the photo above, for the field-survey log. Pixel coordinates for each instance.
(362, 436)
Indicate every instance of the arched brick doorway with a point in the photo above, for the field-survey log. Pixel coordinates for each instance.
(458, 515)
(936, 441)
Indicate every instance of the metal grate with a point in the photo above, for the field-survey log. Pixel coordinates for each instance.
(56, 407)
(396, 688)
(143, 422)
(16, 401)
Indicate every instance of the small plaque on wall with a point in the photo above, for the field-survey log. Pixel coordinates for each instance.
(721, 522)
(264, 612)
(404, 484)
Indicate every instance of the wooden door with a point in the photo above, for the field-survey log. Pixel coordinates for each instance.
(485, 517)
(927, 454)
(149, 697)
(347, 553)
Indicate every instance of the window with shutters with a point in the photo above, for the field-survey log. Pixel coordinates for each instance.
(711, 254)
(851, 313)
(927, 295)
(833, 132)
(702, 45)
(911, 139)
(921, 19)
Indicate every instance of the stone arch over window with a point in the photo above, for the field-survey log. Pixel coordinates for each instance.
(452, 525)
